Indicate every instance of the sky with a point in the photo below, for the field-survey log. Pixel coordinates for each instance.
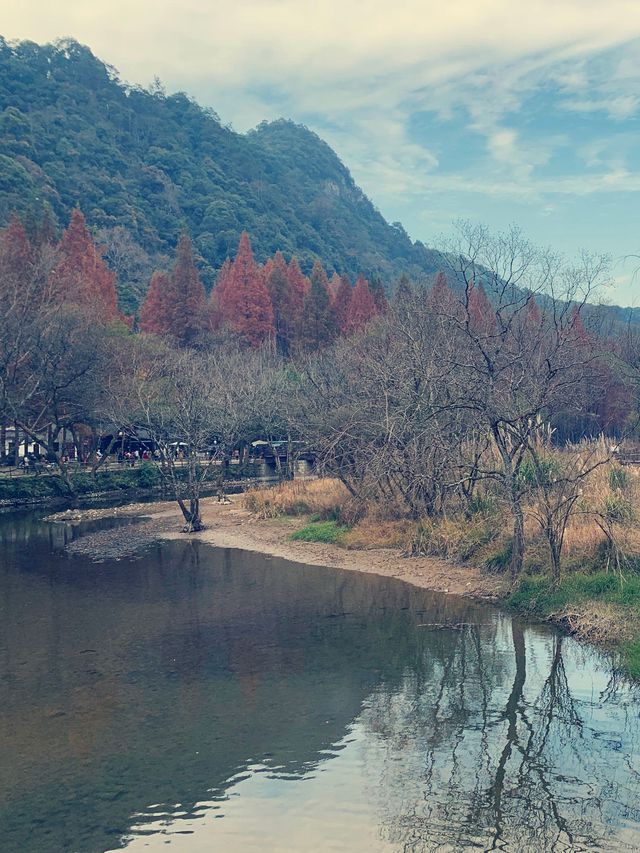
(498, 111)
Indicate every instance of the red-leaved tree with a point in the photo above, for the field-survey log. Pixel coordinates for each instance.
(81, 277)
(154, 316)
(247, 305)
(185, 300)
(362, 308)
(218, 297)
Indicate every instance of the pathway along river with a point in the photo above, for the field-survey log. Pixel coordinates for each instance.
(196, 699)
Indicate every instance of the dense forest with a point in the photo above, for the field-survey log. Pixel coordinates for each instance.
(144, 166)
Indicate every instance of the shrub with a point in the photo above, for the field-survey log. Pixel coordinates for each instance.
(549, 471)
(481, 505)
(324, 498)
(618, 478)
(457, 537)
(499, 560)
(618, 508)
(148, 475)
(631, 657)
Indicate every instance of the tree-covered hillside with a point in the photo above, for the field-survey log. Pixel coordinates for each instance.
(144, 165)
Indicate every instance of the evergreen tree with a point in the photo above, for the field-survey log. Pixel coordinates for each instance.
(342, 305)
(318, 320)
(403, 292)
(379, 296)
(40, 224)
(285, 309)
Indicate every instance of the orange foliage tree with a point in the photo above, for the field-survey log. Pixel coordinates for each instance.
(81, 276)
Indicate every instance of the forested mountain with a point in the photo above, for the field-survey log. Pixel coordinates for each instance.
(143, 166)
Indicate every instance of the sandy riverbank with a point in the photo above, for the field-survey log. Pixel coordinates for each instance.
(231, 526)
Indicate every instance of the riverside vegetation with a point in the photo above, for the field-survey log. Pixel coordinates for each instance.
(597, 597)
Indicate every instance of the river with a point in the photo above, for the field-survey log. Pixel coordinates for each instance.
(199, 699)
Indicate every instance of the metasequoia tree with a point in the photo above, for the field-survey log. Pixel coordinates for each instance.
(342, 304)
(154, 313)
(185, 302)
(247, 306)
(80, 276)
(362, 306)
(218, 297)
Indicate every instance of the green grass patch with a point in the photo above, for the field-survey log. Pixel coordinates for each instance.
(320, 531)
(631, 657)
(537, 596)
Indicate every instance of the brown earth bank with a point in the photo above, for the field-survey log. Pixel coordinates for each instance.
(229, 525)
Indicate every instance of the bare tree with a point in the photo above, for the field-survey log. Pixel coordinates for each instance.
(556, 478)
(188, 406)
(517, 349)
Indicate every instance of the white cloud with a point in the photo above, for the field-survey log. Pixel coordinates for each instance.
(361, 47)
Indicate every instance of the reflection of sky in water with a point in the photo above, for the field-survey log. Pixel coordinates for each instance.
(419, 767)
(222, 701)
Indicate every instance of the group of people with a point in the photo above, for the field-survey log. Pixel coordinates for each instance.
(132, 457)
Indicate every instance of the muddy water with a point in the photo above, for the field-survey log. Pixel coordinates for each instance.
(197, 699)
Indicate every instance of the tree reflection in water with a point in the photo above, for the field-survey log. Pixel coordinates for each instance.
(313, 709)
(470, 766)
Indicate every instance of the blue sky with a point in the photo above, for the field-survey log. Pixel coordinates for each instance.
(500, 111)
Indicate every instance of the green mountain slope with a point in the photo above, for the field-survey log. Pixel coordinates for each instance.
(72, 133)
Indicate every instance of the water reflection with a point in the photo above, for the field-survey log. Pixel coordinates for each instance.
(309, 709)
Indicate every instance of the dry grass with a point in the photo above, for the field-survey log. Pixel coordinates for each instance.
(597, 622)
(322, 497)
(376, 533)
(483, 540)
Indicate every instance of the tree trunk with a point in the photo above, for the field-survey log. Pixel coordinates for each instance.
(290, 459)
(511, 716)
(191, 513)
(555, 549)
(16, 444)
(517, 550)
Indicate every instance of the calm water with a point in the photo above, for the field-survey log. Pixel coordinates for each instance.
(197, 699)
